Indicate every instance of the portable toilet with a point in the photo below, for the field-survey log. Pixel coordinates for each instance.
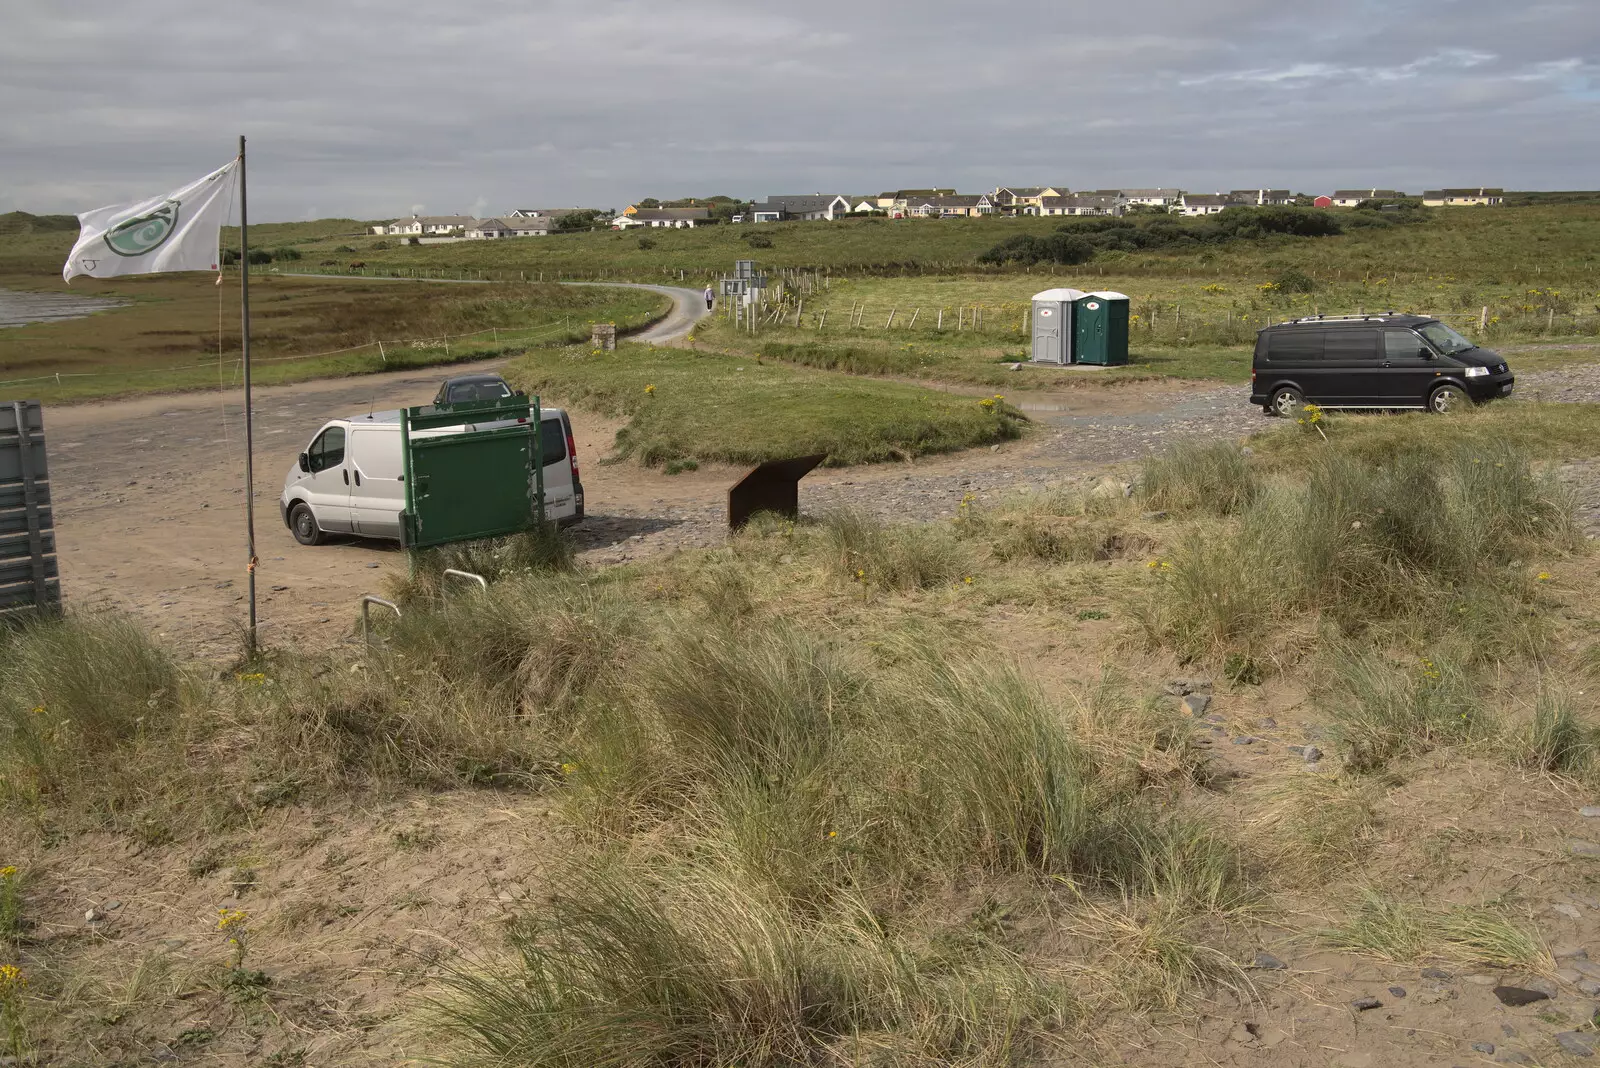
(1100, 328)
(1052, 325)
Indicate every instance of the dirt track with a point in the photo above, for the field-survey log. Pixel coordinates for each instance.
(150, 504)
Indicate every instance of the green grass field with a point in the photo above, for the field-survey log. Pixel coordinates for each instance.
(166, 335)
(698, 406)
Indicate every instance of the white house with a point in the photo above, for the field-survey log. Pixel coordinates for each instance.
(1079, 205)
(1456, 198)
(1349, 198)
(1206, 203)
(670, 218)
(1262, 197)
(427, 224)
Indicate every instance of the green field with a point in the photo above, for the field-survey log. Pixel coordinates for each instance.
(698, 406)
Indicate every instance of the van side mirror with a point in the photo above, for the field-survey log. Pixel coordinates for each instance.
(305, 463)
(1424, 353)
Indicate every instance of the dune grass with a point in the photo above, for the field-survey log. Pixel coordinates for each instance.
(689, 405)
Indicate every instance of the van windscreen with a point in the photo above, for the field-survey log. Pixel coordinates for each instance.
(1293, 345)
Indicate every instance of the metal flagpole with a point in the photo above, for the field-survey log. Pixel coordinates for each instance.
(249, 423)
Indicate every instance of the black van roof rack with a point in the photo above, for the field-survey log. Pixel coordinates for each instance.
(1376, 317)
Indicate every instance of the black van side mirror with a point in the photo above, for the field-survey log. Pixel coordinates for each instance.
(305, 463)
(1424, 353)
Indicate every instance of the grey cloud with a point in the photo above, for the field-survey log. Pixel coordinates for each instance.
(367, 108)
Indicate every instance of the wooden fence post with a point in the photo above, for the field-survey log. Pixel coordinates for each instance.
(890, 323)
(940, 326)
(913, 321)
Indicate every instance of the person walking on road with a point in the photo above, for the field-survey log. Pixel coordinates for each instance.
(710, 297)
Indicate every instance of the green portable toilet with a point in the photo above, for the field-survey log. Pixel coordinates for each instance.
(1100, 328)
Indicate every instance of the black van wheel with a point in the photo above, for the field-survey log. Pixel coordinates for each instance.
(1447, 399)
(1287, 402)
(304, 525)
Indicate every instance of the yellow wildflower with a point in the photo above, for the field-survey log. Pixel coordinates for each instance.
(227, 918)
(11, 978)
(8, 872)
(1544, 576)
(650, 390)
(968, 580)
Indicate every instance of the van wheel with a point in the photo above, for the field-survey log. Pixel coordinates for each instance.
(304, 525)
(1447, 399)
(1287, 402)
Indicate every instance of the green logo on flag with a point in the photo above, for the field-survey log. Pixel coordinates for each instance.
(143, 234)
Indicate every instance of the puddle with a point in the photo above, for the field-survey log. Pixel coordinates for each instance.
(20, 309)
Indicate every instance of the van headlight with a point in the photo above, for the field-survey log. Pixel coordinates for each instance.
(1477, 372)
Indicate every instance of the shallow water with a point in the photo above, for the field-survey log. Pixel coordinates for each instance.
(20, 309)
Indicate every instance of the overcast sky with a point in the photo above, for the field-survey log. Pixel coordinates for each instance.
(374, 109)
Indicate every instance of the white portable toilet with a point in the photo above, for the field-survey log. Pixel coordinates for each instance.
(1052, 325)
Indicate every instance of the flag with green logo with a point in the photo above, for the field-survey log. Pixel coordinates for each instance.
(178, 231)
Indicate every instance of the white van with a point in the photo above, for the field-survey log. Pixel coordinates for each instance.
(351, 478)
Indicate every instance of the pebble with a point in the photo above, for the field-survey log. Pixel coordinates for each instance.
(1568, 952)
(1364, 1004)
(1267, 723)
(1516, 996)
(1586, 968)
(112, 906)
(1312, 754)
(1577, 1043)
(1244, 739)
(1580, 848)
(1398, 991)
(1571, 912)
(93, 916)
(1435, 973)
(1483, 1047)
(1196, 704)
(1588, 987)
(1589, 811)
(1268, 962)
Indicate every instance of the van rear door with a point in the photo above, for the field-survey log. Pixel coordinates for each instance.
(377, 492)
(559, 498)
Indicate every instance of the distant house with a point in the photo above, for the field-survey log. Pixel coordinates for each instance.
(1016, 199)
(532, 225)
(896, 202)
(865, 204)
(1206, 203)
(671, 218)
(1323, 201)
(1480, 197)
(1078, 205)
(1155, 198)
(438, 225)
(808, 207)
(1349, 198)
(541, 213)
(1261, 198)
(952, 205)
(489, 229)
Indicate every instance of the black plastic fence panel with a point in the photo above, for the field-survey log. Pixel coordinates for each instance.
(28, 575)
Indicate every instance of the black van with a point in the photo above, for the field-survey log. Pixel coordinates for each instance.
(1372, 361)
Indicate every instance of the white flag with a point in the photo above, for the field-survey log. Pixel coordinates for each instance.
(180, 231)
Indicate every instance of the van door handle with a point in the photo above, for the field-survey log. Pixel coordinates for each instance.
(358, 476)
(346, 474)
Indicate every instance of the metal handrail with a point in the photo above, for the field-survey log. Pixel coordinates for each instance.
(367, 601)
(479, 579)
